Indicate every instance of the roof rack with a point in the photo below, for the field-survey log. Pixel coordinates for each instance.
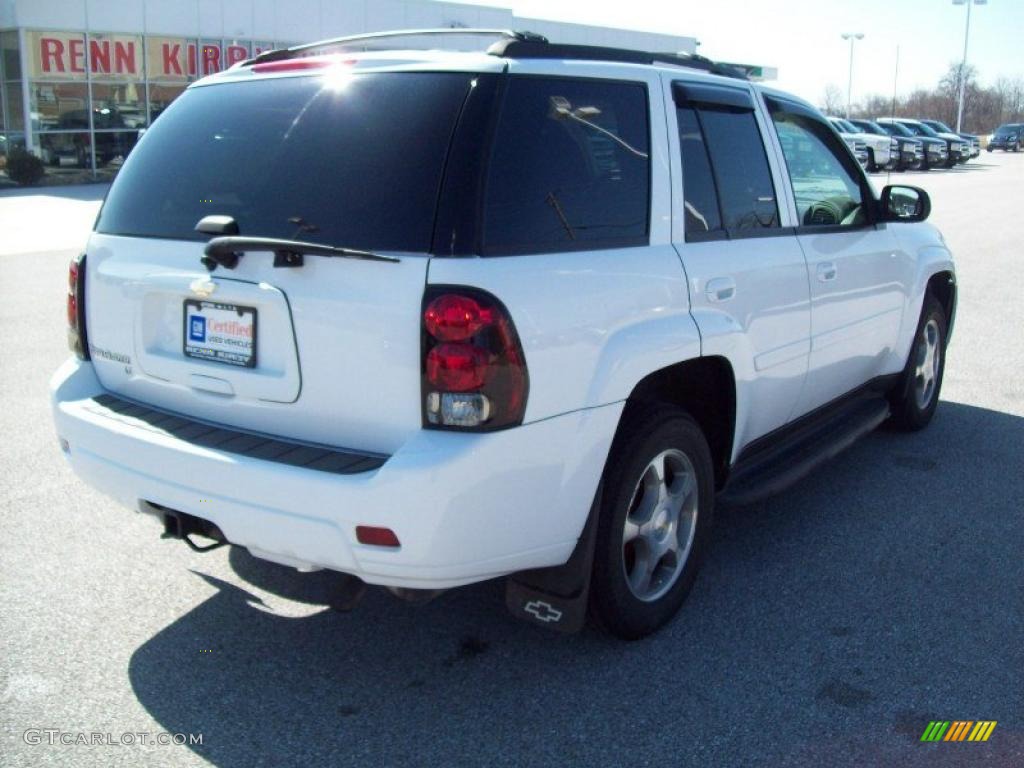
(516, 44)
(522, 48)
(372, 40)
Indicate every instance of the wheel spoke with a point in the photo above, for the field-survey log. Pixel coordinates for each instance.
(630, 532)
(643, 571)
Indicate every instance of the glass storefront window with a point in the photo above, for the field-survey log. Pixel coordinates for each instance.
(10, 58)
(15, 107)
(112, 148)
(119, 105)
(65, 150)
(160, 96)
(3, 107)
(59, 106)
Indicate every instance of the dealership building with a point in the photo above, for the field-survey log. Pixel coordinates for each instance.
(79, 79)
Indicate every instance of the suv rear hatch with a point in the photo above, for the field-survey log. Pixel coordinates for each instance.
(327, 352)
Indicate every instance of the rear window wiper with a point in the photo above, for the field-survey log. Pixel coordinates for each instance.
(226, 251)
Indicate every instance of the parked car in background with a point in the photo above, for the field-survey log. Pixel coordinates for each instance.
(936, 150)
(879, 147)
(945, 132)
(906, 152)
(955, 146)
(1008, 138)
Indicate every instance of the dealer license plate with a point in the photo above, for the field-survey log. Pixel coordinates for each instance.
(222, 333)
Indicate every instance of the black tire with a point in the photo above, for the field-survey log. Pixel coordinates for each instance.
(650, 431)
(911, 410)
(872, 165)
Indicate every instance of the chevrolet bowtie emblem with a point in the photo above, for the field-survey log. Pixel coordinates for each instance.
(202, 287)
(542, 611)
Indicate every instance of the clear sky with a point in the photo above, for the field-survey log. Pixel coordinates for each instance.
(802, 37)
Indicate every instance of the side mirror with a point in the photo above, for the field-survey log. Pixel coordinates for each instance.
(902, 203)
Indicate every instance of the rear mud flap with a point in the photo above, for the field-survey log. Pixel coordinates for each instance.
(556, 598)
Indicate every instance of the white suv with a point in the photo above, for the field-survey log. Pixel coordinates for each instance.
(431, 317)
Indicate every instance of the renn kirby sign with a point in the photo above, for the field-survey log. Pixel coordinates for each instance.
(63, 56)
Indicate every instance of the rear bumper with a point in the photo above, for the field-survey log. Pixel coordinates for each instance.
(465, 507)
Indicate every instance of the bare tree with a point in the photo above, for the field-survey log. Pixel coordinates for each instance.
(832, 101)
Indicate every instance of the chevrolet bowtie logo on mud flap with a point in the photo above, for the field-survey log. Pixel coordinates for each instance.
(542, 611)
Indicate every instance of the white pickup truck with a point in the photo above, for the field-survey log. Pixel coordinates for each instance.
(429, 317)
(882, 151)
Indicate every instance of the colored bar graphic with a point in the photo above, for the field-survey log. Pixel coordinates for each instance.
(935, 730)
(959, 730)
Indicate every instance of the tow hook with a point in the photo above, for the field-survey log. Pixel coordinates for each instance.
(180, 525)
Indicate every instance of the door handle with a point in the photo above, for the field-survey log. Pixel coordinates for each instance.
(720, 289)
(827, 271)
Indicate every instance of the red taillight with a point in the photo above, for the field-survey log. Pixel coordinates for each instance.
(456, 367)
(72, 295)
(455, 318)
(377, 537)
(474, 374)
(76, 309)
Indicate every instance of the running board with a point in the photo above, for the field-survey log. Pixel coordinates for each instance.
(777, 466)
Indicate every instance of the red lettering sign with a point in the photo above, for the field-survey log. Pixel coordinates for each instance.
(76, 52)
(53, 54)
(235, 54)
(211, 59)
(170, 59)
(99, 55)
(124, 57)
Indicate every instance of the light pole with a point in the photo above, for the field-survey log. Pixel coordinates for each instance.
(852, 37)
(963, 62)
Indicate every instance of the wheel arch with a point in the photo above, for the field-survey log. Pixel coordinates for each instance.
(706, 388)
(942, 285)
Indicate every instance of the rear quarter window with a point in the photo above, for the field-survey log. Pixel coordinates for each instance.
(570, 167)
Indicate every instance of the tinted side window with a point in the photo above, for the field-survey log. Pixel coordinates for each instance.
(570, 167)
(826, 185)
(745, 188)
(700, 197)
(727, 183)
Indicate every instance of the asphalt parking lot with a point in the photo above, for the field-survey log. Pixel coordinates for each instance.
(828, 627)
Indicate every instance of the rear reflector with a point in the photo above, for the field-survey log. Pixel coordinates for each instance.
(377, 537)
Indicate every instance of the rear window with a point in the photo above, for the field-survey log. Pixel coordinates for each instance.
(354, 163)
(570, 167)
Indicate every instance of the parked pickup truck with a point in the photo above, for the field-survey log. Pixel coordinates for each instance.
(936, 150)
(905, 152)
(524, 312)
(879, 147)
(966, 141)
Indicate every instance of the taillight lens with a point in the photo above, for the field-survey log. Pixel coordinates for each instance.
(474, 373)
(76, 308)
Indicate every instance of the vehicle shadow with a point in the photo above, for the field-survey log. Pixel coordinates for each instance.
(827, 609)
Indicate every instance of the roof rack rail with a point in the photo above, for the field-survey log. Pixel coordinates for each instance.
(371, 39)
(525, 48)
